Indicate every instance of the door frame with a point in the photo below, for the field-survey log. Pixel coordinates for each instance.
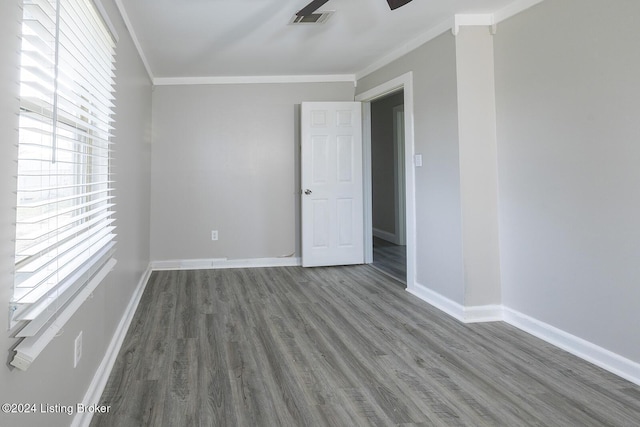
(404, 82)
(399, 166)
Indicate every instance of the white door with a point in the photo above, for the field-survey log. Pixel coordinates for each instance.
(331, 176)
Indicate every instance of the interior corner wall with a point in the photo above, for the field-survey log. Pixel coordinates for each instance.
(568, 109)
(226, 158)
(437, 188)
(51, 379)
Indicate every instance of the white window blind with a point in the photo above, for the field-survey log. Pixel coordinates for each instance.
(65, 210)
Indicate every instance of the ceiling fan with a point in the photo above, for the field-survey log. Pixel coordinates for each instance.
(315, 5)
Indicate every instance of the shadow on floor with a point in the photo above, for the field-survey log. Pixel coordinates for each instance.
(390, 259)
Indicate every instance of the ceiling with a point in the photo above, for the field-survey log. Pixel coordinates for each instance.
(219, 38)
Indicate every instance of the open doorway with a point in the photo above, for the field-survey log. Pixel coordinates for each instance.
(404, 82)
(388, 185)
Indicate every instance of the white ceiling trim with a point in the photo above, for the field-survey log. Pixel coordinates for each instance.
(485, 19)
(127, 23)
(222, 80)
(514, 9)
(450, 24)
(475, 19)
(406, 48)
(490, 19)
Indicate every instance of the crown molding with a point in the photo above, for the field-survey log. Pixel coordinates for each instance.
(464, 20)
(513, 9)
(405, 48)
(134, 37)
(488, 19)
(491, 19)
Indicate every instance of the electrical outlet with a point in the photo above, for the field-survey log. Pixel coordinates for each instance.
(214, 234)
(77, 349)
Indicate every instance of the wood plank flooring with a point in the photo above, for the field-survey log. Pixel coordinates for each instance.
(341, 346)
(390, 259)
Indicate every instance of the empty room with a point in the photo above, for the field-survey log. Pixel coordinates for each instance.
(320, 213)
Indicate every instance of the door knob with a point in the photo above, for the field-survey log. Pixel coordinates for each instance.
(307, 191)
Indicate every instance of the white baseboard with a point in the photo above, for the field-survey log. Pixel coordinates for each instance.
(483, 313)
(221, 263)
(472, 314)
(99, 381)
(606, 359)
(586, 350)
(440, 302)
(385, 235)
(577, 346)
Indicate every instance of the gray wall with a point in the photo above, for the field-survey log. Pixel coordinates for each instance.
(51, 378)
(383, 167)
(438, 210)
(568, 108)
(226, 157)
(568, 102)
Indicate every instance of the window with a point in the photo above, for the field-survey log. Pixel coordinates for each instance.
(64, 217)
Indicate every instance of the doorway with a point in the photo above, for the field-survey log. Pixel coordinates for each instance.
(405, 83)
(388, 185)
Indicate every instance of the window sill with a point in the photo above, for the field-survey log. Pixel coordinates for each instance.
(29, 348)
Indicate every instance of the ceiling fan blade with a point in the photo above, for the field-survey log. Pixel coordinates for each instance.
(394, 4)
(312, 7)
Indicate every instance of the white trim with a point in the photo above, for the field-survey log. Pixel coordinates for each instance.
(367, 184)
(223, 263)
(134, 37)
(386, 88)
(473, 19)
(586, 350)
(222, 80)
(399, 166)
(30, 347)
(475, 314)
(435, 299)
(404, 82)
(99, 381)
(483, 313)
(513, 9)
(409, 46)
(484, 19)
(498, 16)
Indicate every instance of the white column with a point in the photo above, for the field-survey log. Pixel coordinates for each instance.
(478, 165)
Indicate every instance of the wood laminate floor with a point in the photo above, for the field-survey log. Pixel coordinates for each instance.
(390, 258)
(342, 346)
